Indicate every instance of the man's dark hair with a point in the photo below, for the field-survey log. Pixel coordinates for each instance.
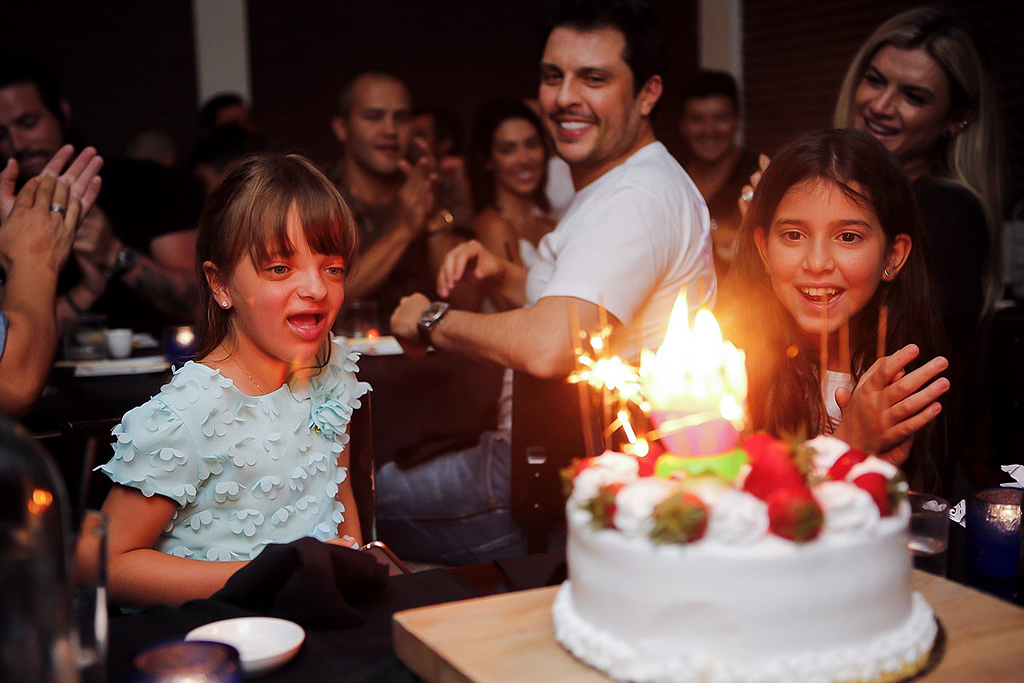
(224, 145)
(448, 127)
(639, 25)
(18, 69)
(345, 98)
(208, 114)
(711, 84)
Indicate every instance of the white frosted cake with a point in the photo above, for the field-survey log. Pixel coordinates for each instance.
(727, 569)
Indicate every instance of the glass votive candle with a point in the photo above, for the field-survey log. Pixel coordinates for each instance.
(187, 662)
(180, 344)
(993, 532)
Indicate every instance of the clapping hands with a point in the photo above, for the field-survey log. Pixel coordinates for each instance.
(889, 404)
(418, 193)
(39, 224)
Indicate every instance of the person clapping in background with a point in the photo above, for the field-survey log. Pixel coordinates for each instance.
(36, 235)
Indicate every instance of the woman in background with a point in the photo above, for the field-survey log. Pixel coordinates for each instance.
(507, 170)
(921, 84)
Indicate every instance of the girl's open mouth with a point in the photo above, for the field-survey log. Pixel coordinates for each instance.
(821, 295)
(308, 325)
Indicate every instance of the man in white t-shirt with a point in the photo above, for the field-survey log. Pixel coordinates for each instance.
(634, 236)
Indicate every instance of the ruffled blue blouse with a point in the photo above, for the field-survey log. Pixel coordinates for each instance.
(245, 471)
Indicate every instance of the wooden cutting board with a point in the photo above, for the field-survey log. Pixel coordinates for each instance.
(508, 639)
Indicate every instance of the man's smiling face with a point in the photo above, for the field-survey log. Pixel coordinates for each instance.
(588, 101)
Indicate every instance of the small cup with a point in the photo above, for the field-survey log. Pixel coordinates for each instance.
(993, 532)
(119, 342)
(929, 532)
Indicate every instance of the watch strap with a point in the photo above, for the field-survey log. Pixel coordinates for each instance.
(430, 318)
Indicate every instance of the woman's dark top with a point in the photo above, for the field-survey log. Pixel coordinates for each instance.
(958, 250)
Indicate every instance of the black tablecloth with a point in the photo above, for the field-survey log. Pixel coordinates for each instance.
(354, 654)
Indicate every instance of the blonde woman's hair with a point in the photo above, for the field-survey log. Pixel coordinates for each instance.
(973, 157)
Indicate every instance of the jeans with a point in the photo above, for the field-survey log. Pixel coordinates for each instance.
(452, 509)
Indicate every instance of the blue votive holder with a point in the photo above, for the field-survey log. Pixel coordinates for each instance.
(187, 662)
(180, 344)
(993, 532)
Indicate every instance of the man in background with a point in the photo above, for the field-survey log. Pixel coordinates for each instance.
(633, 238)
(132, 258)
(390, 182)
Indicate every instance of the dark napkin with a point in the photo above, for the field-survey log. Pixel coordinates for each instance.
(308, 582)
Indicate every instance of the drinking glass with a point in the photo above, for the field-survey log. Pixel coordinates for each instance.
(87, 339)
(90, 597)
(361, 318)
(929, 532)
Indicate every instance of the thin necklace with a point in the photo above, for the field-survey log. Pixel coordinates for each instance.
(254, 382)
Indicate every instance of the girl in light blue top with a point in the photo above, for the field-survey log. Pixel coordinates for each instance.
(246, 446)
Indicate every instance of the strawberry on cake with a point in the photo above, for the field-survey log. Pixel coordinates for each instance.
(770, 563)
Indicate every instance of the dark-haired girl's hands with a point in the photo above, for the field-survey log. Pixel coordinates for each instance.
(890, 404)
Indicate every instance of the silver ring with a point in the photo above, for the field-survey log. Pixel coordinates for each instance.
(747, 195)
(57, 208)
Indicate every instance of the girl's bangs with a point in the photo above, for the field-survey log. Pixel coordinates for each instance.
(324, 225)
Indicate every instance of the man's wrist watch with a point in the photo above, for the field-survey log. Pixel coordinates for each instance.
(430, 318)
(126, 259)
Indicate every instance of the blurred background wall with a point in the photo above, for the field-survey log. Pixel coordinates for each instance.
(125, 65)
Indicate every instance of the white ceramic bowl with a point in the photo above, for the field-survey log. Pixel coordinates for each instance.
(263, 643)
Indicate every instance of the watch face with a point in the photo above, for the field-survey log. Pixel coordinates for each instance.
(433, 313)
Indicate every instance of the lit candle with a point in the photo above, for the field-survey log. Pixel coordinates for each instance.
(993, 532)
(179, 344)
(696, 385)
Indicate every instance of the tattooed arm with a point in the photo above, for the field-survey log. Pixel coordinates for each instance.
(164, 278)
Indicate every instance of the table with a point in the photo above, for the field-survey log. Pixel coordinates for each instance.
(509, 639)
(354, 654)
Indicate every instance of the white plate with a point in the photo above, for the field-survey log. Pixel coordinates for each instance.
(263, 643)
(381, 346)
(123, 366)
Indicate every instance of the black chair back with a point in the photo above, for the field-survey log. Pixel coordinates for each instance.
(87, 442)
(553, 423)
(361, 462)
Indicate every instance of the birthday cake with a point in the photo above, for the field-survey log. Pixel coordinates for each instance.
(723, 561)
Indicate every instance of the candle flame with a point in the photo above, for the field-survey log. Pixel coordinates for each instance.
(694, 386)
(40, 501)
(695, 370)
